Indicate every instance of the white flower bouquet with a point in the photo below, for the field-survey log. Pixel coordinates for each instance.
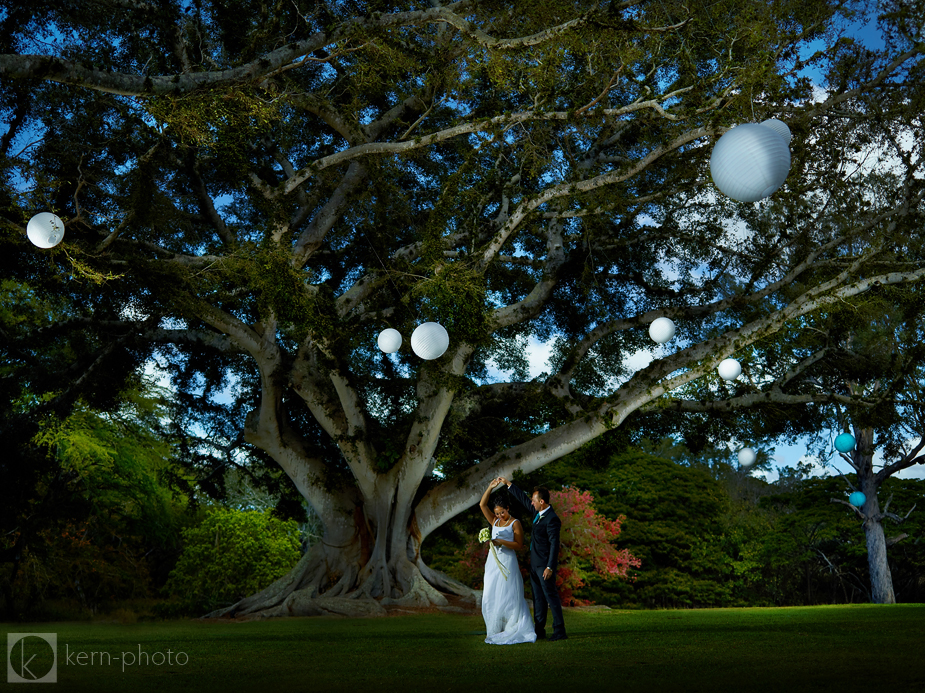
(485, 535)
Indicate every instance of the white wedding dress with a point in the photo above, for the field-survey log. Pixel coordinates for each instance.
(504, 608)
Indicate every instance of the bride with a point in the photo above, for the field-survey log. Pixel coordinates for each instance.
(507, 616)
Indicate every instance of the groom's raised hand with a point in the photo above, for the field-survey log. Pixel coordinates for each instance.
(504, 481)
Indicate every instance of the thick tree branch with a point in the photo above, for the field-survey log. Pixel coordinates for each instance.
(564, 189)
(753, 399)
(533, 303)
(504, 121)
(311, 238)
(810, 262)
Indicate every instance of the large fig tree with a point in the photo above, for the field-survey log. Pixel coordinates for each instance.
(252, 191)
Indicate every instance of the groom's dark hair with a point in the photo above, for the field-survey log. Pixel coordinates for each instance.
(544, 493)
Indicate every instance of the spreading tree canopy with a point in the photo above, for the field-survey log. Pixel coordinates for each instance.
(252, 191)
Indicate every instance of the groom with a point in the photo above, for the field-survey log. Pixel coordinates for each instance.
(544, 555)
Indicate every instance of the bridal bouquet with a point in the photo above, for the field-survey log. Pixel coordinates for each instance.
(485, 535)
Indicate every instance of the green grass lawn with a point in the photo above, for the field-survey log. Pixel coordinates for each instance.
(844, 648)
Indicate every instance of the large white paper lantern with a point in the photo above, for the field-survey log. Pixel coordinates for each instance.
(729, 369)
(747, 457)
(45, 230)
(752, 160)
(430, 340)
(389, 340)
(661, 330)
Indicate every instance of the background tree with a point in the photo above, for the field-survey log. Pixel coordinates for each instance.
(252, 195)
(101, 518)
(894, 427)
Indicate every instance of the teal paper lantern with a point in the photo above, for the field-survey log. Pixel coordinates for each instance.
(844, 442)
(857, 499)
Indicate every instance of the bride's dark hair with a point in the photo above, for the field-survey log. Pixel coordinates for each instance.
(500, 500)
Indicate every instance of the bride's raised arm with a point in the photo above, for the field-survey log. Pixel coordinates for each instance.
(483, 504)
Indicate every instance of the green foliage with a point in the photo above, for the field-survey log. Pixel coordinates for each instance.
(100, 521)
(455, 297)
(230, 554)
(708, 535)
(225, 122)
(281, 290)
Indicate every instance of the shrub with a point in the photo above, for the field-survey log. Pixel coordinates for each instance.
(231, 554)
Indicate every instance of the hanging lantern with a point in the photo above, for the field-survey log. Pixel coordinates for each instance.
(729, 369)
(430, 340)
(857, 499)
(779, 127)
(752, 160)
(389, 340)
(661, 330)
(844, 442)
(747, 457)
(45, 230)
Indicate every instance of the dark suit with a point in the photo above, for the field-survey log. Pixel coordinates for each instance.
(544, 553)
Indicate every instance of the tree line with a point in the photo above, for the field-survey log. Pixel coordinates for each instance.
(710, 534)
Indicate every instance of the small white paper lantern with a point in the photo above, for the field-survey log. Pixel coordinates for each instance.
(661, 330)
(45, 230)
(729, 369)
(430, 340)
(389, 340)
(752, 160)
(747, 457)
(780, 127)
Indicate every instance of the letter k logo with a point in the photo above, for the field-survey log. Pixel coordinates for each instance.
(32, 657)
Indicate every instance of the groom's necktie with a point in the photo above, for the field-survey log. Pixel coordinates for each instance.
(536, 517)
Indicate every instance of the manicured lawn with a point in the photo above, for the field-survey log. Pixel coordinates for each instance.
(845, 648)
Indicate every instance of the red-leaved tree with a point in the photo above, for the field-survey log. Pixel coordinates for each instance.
(586, 548)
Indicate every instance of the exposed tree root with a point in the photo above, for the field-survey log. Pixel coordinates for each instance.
(306, 590)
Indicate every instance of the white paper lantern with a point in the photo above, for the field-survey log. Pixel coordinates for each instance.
(45, 230)
(661, 330)
(430, 340)
(780, 127)
(389, 340)
(729, 369)
(747, 457)
(751, 161)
